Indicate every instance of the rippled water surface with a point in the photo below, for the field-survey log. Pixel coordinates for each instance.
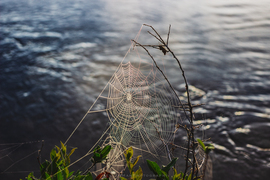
(56, 56)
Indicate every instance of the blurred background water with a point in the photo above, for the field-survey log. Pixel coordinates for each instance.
(57, 55)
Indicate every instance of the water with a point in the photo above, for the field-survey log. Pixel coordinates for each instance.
(56, 56)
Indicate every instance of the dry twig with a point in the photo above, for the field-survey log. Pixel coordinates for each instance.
(189, 107)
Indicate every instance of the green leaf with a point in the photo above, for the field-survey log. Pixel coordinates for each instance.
(44, 168)
(58, 149)
(65, 173)
(122, 178)
(59, 176)
(53, 154)
(174, 171)
(47, 176)
(169, 166)
(211, 146)
(100, 155)
(96, 158)
(129, 154)
(64, 149)
(201, 143)
(105, 151)
(182, 175)
(89, 176)
(154, 167)
(137, 175)
(29, 178)
(176, 176)
(97, 155)
(30, 175)
(208, 148)
(97, 149)
(164, 176)
(54, 167)
(189, 177)
(130, 167)
(71, 152)
(77, 176)
(136, 160)
(70, 174)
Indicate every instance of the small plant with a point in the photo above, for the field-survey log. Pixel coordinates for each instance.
(134, 175)
(207, 149)
(161, 173)
(58, 167)
(180, 176)
(99, 156)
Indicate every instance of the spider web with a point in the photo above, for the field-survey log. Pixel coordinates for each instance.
(142, 110)
(14, 155)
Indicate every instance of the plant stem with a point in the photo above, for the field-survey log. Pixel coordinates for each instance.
(190, 130)
(162, 74)
(39, 153)
(191, 114)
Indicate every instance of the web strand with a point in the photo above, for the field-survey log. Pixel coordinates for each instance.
(140, 106)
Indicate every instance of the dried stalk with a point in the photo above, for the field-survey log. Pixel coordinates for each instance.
(39, 153)
(190, 131)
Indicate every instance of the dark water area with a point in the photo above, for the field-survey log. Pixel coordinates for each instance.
(56, 57)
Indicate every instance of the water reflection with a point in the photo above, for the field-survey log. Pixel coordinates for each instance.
(56, 57)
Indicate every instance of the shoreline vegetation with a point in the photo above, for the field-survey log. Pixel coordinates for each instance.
(195, 158)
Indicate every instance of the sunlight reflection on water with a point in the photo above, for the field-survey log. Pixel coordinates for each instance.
(57, 56)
